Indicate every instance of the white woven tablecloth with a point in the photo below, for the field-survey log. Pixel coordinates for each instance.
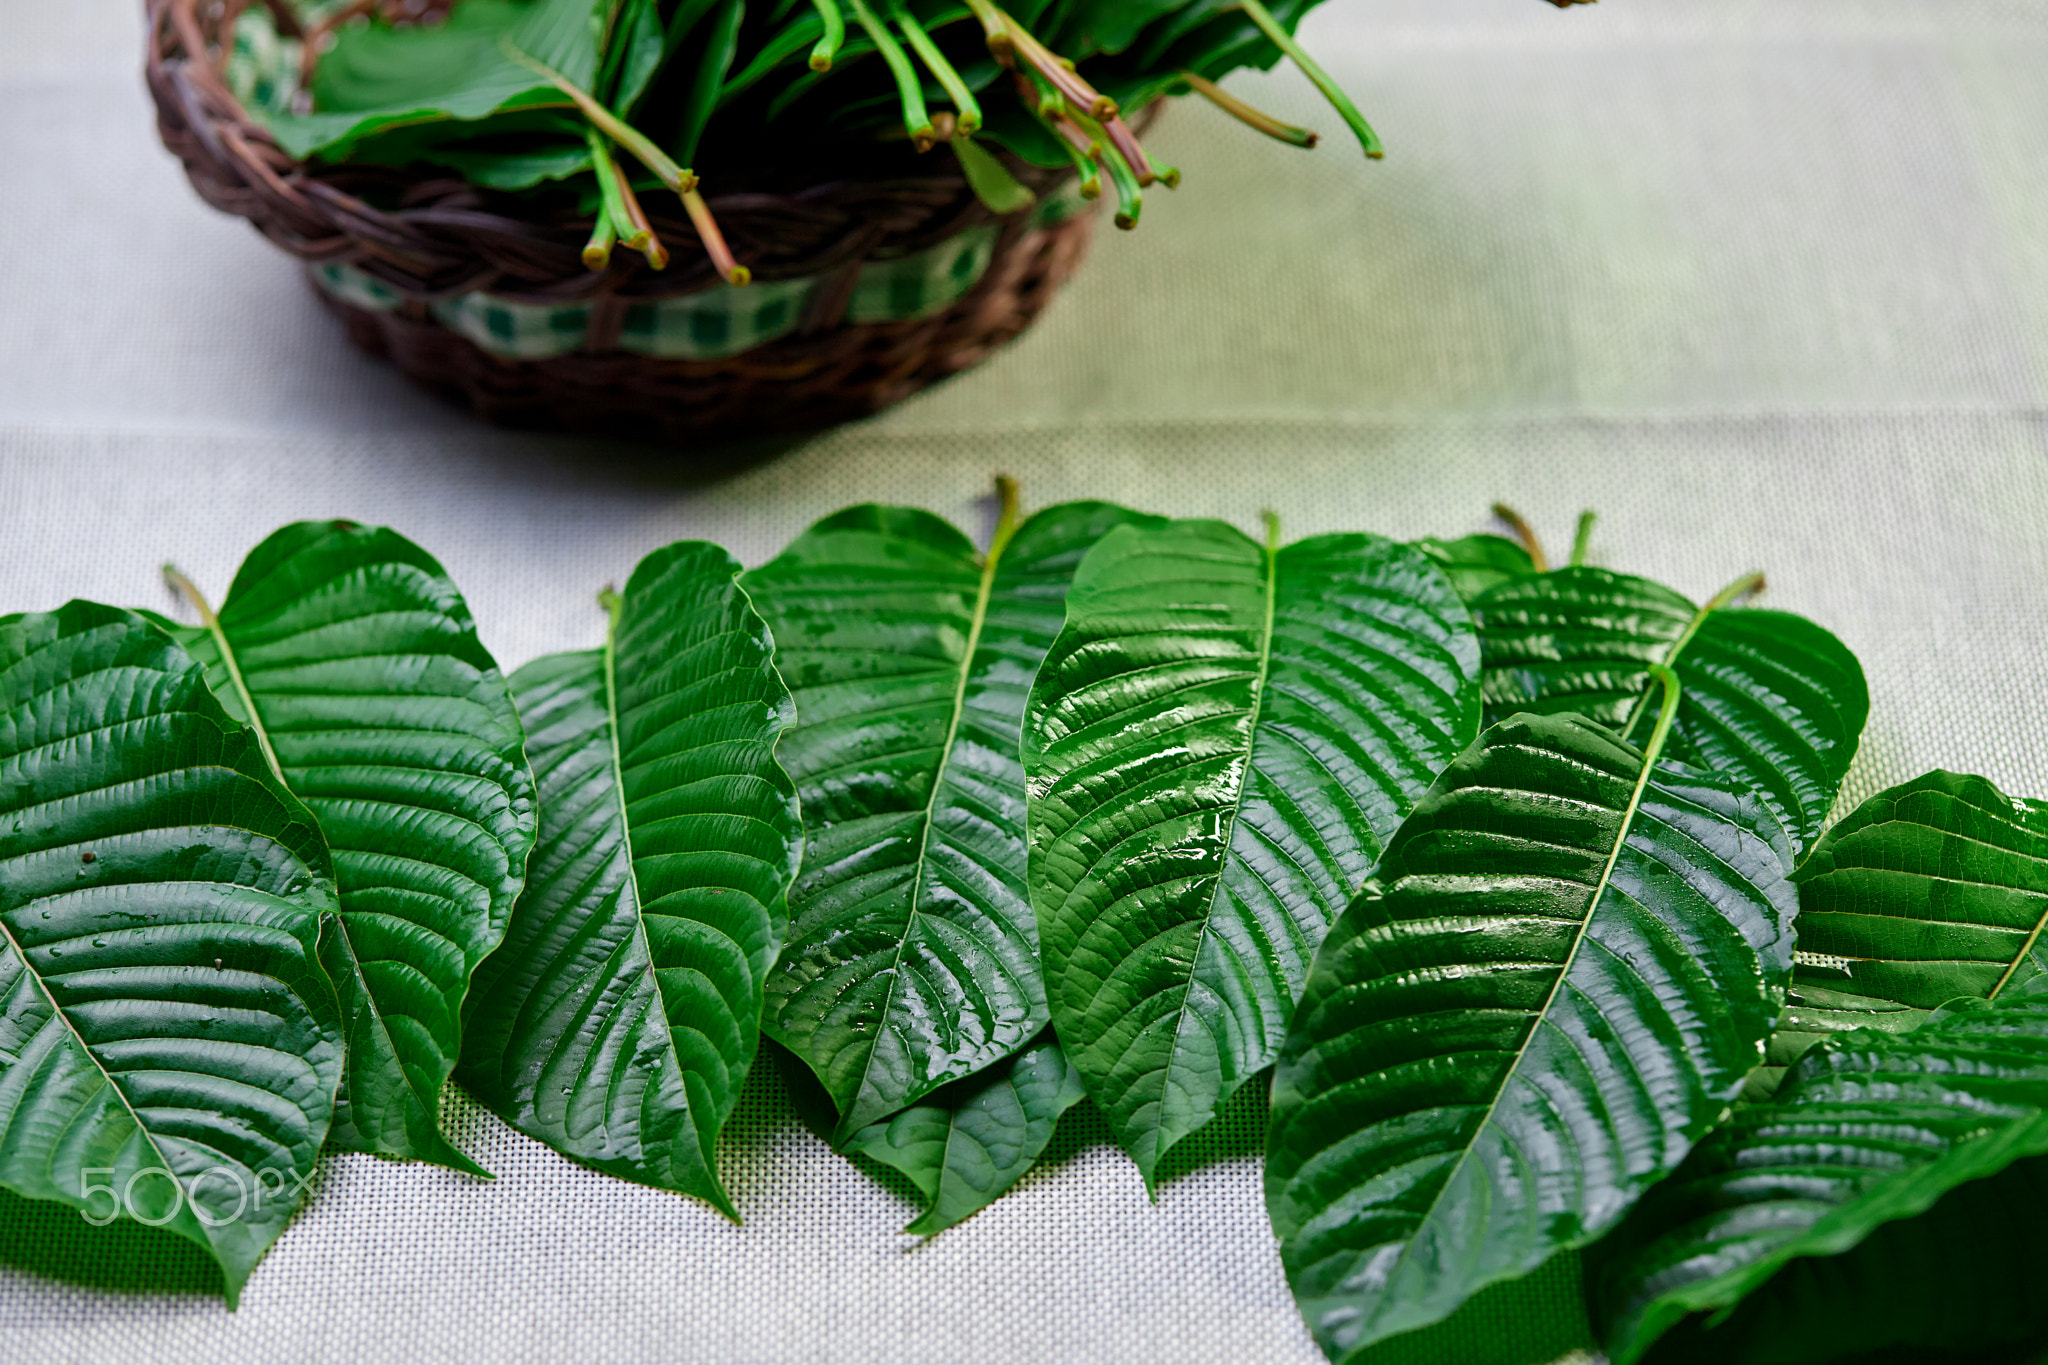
(1766, 283)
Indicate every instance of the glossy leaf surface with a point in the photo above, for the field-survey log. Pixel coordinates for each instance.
(1218, 744)
(359, 662)
(1475, 564)
(1932, 890)
(912, 956)
(1769, 696)
(1547, 994)
(967, 1144)
(1813, 1013)
(378, 77)
(621, 1016)
(169, 1049)
(1869, 1129)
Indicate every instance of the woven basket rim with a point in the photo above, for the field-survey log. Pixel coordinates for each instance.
(426, 232)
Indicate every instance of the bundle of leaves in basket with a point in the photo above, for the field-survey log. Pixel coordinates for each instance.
(675, 215)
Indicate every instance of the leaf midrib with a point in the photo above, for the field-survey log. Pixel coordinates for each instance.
(341, 925)
(924, 845)
(1536, 1024)
(1270, 553)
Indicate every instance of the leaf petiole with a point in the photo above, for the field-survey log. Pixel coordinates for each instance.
(1740, 588)
(1246, 114)
(917, 119)
(1525, 533)
(1062, 76)
(184, 587)
(1334, 93)
(1582, 539)
(642, 148)
(708, 231)
(1000, 44)
(935, 62)
(835, 35)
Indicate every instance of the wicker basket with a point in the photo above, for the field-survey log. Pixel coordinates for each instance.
(411, 261)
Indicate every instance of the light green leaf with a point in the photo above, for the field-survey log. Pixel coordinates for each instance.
(1566, 963)
(169, 1049)
(621, 1016)
(975, 1138)
(912, 957)
(1769, 696)
(1888, 1198)
(999, 191)
(358, 662)
(378, 78)
(1217, 745)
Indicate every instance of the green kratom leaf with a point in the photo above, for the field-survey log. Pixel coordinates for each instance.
(970, 1141)
(621, 1016)
(169, 1048)
(357, 660)
(1933, 890)
(378, 77)
(1564, 967)
(1217, 746)
(1886, 1199)
(1769, 696)
(1475, 564)
(1813, 1013)
(912, 957)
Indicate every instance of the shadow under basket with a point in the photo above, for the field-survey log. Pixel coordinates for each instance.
(866, 289)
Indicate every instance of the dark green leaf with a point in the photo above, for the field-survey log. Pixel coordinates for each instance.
(973, 1139)
(1218, 743)
(168, 1046)
(1869, 1129)
(1933, 890)
(1769, 696)
(618, 1021)
(359, 663)
(912, 957)
(1815, 1012)
(1557, 981)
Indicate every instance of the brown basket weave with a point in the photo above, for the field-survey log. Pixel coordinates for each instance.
(432, 237)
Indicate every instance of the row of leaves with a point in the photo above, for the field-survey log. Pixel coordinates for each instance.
(1123, 808)
(621, 97)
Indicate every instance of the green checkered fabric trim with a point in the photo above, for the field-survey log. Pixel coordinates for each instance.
(716, 324)
(353, 287)
(516, 331)
(923, 285)
(262, 71)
